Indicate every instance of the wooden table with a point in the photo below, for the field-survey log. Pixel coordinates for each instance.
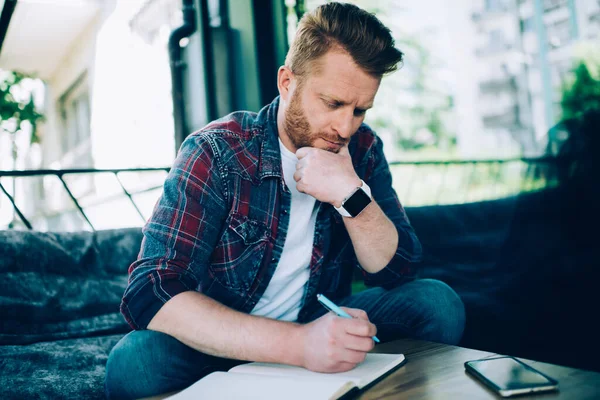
(436, 371)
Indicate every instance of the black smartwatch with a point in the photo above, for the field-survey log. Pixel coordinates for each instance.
(356, 201)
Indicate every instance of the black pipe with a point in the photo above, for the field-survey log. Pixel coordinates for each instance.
(209, 59)
(269, 43)
(222, 75)
(177, 67)
(7, 12)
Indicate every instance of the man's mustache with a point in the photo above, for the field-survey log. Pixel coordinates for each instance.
(335, 139)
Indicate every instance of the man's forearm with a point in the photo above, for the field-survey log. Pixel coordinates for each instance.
(212, 328)
(374, 237)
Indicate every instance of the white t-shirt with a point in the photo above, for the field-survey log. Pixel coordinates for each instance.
(283, 295)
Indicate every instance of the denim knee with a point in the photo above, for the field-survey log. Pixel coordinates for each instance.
(443, 312)
(119, 378)
(112, 381)
(135, 365)
(148, 363)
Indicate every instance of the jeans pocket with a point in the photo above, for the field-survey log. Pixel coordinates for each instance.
(238, 255)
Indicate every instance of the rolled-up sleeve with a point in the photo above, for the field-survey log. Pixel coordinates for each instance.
(180, 236)
(403, 266)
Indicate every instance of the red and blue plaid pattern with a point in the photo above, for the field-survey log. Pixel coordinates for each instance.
(220, 224)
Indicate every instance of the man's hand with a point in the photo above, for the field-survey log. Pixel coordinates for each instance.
(336, 344)
(326, 176)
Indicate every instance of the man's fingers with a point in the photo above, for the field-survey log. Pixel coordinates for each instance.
(301, 187)
(343, 367)
(353, 356)
(303, 152)
(297, 175)
(360, 327)
(344, 150)
(359, 343)
(356, 313)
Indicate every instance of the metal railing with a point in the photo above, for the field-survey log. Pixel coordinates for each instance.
(487, 178)
(60, 174)
(492, 178)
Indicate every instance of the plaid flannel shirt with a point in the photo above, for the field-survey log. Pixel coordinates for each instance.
(221, 222)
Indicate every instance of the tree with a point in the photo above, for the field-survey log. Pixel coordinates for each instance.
(17, 110)
(17, 107)
(582, 95)
(575, 138)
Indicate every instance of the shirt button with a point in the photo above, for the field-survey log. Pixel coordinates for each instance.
(273, 259)
(285, 212)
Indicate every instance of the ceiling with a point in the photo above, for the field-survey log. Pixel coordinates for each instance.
(42, 31)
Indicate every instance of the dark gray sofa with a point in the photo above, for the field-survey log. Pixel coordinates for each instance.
(525, 267)
(59, 310)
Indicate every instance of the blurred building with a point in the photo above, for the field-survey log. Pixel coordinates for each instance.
(108, 97)
(107, 100)
(414, 106)
(485, 73)
(524, 52)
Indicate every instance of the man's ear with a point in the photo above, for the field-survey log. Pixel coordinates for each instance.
(285, 80)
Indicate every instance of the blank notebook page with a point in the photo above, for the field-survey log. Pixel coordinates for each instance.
(373, 366)
(229, 386)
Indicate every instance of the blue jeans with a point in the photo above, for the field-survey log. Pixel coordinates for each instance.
(146, 363)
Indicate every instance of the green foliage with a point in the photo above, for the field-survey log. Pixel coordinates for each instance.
(422, 121)
(16, 105)
(582, 94)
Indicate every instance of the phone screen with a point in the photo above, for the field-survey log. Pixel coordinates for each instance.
(507, 373)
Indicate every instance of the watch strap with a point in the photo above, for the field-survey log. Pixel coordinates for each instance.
(343, 212)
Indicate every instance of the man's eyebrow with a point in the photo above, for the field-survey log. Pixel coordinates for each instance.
(344, 103)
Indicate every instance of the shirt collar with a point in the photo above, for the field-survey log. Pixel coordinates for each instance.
(270, 156)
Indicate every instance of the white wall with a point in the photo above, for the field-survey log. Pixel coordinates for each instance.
(129, 85)
(130, 92)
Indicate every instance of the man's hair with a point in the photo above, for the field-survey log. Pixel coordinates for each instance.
(358, 32)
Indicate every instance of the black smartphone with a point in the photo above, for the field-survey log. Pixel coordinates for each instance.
(508, 376)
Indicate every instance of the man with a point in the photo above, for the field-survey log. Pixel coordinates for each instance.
(261, 212)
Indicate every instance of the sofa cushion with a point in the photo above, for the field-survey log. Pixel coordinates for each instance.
(63, 285)
(526, 268)
(72, 368)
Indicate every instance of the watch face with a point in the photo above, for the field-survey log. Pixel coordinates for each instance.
(357, 202)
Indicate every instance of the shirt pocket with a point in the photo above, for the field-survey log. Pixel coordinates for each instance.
(239, 254)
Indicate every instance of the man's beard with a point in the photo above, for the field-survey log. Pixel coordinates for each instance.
(296, 124)
(298, 129)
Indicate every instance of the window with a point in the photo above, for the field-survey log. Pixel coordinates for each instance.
(559, 33)
(74, 108)
(494, 5)
(527, 25)
(497, 42)
(550, 5)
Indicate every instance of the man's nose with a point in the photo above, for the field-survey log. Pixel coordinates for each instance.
(343, 124)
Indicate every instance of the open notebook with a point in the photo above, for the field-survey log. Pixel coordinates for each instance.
(277, 381)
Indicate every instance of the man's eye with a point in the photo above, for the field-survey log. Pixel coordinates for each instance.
(359, 113)
(333, 106)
